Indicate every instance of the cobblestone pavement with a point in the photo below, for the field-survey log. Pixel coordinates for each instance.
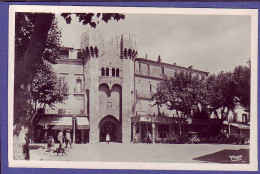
(116, 152)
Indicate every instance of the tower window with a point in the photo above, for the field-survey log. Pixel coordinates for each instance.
(150, 88)
(117, 72)
(103, 72)
(78, 86)
(107, 71)
(162, 70)
(113, 72)
(64, 53)
(244, 117)
(79, 55)
(148, 69)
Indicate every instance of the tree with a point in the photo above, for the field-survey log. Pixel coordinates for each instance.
(221, 93)
(47, 88)
(179, 93)
(31, 33)
(242, 80)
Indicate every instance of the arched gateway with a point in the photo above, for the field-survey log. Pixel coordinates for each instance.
(110, 125)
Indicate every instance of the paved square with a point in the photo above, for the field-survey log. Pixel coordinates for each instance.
(161, 153)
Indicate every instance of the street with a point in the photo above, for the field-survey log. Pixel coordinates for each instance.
(162, 153)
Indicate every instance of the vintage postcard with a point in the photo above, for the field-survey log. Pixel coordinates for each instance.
(132, 88)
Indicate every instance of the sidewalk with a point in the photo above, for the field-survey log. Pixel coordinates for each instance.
(117, 152)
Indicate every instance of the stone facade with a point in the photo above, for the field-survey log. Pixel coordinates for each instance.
(110, 85)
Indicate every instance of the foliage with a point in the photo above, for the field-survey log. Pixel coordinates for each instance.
(47, 88)
(87, 18)
(179, 93)
(242, 80)
(23, 31)
(221, 93)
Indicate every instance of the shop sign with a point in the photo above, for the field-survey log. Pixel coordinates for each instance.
(135, 119)
(146, 119)
(163, 119)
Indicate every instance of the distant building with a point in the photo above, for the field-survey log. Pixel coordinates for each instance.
(110, 91)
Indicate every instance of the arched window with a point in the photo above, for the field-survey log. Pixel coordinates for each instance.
(107, 71)
(103, 72)
(117, 72)
(113, 72)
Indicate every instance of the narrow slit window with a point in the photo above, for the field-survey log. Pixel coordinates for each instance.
(117, 72)
(162, 70)
(113, 72)
(78, 85)
(107, 71)
(103, 72)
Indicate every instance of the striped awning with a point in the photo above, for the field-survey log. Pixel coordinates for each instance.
(82, 123)
(240, 126)
(59, 122)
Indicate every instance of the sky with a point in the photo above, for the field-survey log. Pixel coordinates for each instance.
(211, 43)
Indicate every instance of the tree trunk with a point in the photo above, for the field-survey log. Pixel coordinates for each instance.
(25, 68)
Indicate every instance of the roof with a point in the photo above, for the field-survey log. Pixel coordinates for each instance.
(172, 66)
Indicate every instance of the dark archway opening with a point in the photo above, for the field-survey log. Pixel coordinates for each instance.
(109, 125)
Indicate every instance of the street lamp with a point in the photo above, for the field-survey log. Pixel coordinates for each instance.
(153, 125)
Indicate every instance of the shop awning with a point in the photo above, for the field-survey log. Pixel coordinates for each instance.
(59, 122)
(82, 123)
(240, 126)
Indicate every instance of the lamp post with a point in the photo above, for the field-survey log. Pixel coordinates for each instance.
(153, 126)
(74, 128)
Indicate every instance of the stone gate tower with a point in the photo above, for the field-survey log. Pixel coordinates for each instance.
(108, 68)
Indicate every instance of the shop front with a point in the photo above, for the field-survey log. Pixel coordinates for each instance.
(159, 127)
(52, 124)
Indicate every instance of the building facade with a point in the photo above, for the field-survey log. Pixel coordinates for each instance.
(110, 92)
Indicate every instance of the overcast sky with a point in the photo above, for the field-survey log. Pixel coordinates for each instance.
(209, 43)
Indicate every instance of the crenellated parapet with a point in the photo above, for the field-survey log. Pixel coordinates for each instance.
(128, 46)
(92, 44)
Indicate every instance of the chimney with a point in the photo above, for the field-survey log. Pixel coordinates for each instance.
(159, 59)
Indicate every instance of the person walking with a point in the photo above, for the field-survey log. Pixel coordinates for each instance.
(149, 137)
(60, 137)
(45, 139)
(68, 139)
(107, 138)
(49, 144)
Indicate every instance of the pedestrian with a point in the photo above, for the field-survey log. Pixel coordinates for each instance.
(68, 139)
(107, 138)
(52, 143)
(45, 139)
(60, 137)
(49, 144)
(149, 136)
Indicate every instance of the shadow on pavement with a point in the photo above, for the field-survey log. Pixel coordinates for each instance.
(35, 146)
(227, 156)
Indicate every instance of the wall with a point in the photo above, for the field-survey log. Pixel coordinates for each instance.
(71, 72)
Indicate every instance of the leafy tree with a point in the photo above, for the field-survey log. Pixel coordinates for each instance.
(242, 80)
(179, 93)
(31, 36)
(221, 93)
(47, 88)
